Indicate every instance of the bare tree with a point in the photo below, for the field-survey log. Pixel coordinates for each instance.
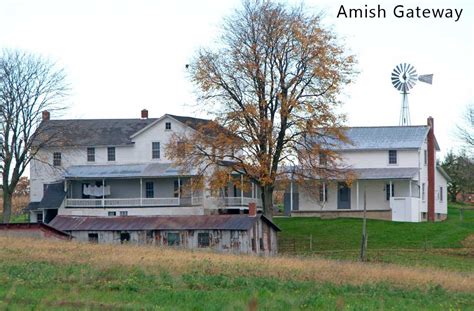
(29, 85)
(465, 131)
(272, 84)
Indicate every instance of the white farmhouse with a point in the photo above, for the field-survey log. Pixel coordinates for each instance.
(90, 171)
(395, 166)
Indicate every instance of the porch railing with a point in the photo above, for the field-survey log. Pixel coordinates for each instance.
(236, 201)
(132, 202)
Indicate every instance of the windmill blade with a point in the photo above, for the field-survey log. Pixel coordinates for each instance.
(426, 78)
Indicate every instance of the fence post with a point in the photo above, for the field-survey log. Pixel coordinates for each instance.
(311, 242)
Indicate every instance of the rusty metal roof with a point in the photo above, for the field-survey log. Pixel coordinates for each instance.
(135, 223)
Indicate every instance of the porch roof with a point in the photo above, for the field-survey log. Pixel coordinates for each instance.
(386, 173)
(124, 171)
(200, 222)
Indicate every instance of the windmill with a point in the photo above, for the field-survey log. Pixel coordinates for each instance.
(404, 77)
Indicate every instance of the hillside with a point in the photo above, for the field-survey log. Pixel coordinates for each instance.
(69, 275)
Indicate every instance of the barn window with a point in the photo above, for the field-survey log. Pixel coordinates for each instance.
(124, 237)
(112, 213)
(203, 239)
(93, 237)
(123, 213)
(173, 239)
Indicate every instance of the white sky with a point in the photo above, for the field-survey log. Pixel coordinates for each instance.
(122, 56)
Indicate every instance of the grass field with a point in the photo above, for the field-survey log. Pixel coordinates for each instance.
(45, 275)
(448, 244)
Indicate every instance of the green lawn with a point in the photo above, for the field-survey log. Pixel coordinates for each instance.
(403, 243)
(46, 286)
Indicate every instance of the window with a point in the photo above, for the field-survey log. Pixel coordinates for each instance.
(441, 194)
(91, 154)
(149, 189)
(124, 237)
(178, 189)
(203, 239)
(323, 193)
(168, 125)
(173, 239)
(93, 237)
(39, 218)
(423, 191)
(57, 159)
(425, 156)
(387, 191)
(112, 213)
(181, 149)
(392, 157)
(123, 213)
(111, 154)
(155, 150)
(323, 159)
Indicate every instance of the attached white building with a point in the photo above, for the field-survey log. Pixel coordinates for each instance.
(395, 167)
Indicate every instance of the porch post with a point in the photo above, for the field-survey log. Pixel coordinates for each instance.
(191, 186)
(357, 194)
(390, 194)
(409, 187)
(253, 192)
(103, 192)
(141, 191)
(291, 194)
(179, 190)
(241, 190)
(324, 192)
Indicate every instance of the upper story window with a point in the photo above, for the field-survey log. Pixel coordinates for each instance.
(425, 156)
(91, 154)
(323, 159)
(155, 150)
(441, 194)
(423, 191)
(111, 154)
(168, 125)
(57, 159)
(392, 157)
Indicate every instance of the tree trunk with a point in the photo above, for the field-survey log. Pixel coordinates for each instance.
(267, 200)
(7, 206)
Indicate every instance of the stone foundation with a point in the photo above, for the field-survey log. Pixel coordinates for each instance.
(371, 214)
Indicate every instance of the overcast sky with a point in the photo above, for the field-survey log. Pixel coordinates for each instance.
(122, 56)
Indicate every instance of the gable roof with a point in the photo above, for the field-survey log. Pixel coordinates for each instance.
(135, 223)
(89, 132)
(380, 138)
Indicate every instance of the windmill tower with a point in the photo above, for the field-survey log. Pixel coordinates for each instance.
(404, 77)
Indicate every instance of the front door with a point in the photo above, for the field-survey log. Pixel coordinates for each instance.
(343, 196)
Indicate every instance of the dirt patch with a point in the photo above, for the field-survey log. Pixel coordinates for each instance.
(469, 241)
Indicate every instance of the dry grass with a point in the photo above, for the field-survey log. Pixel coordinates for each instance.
(156, 260)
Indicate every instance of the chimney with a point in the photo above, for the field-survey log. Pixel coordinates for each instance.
(144, 114)
(252, 209)
(46, 115)
(431, 170)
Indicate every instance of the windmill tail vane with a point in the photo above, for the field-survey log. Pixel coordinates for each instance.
(404, 78)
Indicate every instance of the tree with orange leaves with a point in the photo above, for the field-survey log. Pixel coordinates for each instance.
(272, 83)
